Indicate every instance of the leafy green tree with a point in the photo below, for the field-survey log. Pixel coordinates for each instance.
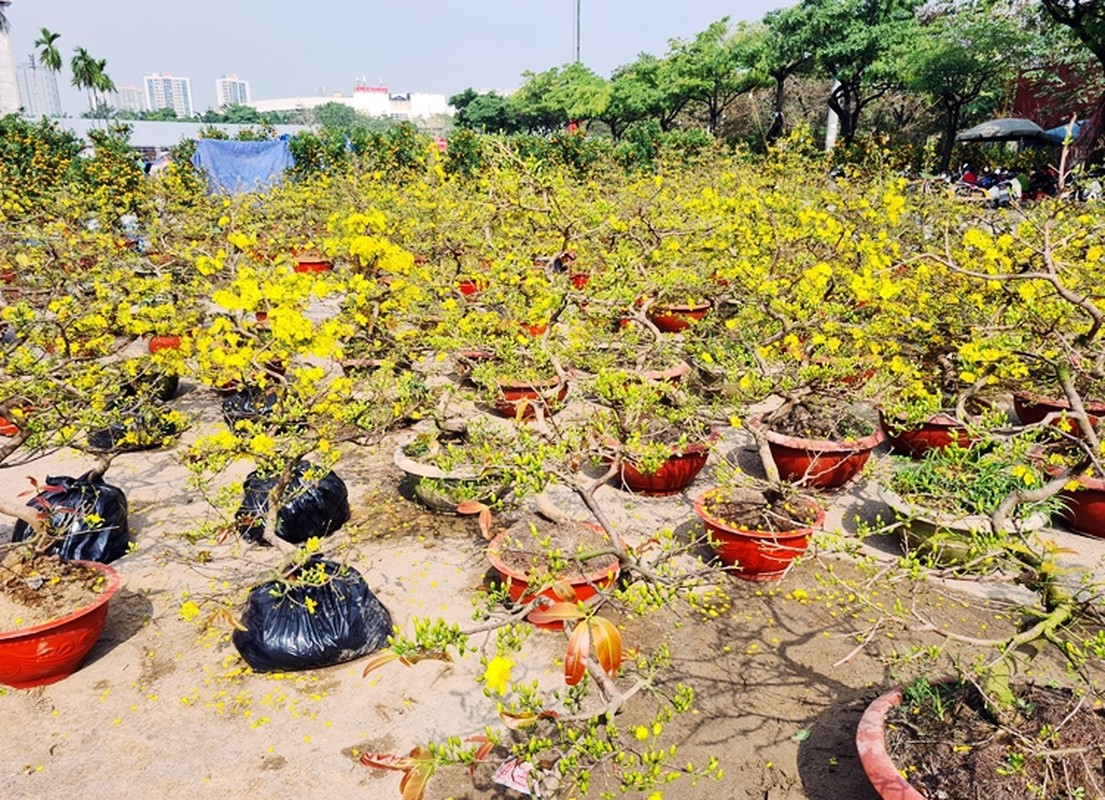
(550, 100)
(716, 66)
(1086, 21)
(957, 56)
(784, 51)
(488, 112)
(337, 115)
(160, 115)
(646, 89)
(852, 41)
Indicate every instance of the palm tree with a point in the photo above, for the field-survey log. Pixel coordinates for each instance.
(102, 84)
(9, 84)
(83, 66)
(48, 53)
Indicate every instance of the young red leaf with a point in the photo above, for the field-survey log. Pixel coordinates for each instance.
(556, 612)
(485, 523)
(608, 645)
(481, 752)
(575, 657)
(387, 761)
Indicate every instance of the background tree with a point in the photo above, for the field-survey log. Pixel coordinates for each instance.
(551, 99)
(647, 88)
(1086, 20)
(489, 112)
(48, 54)
(851, 41)
(716, 66)
(337, 115)
(83, 67)
(784, 50)
(956, 57)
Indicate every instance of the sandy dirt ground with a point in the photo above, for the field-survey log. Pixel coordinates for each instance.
(164, 708)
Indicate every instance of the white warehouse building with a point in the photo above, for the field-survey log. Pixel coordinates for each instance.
(375, 101)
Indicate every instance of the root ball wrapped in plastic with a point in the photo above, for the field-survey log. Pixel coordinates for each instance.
(322, 614)
(315, 503)
(88, 517)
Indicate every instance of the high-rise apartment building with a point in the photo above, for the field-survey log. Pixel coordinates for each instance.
(164, 90)
(129, 97)
(38, 90)
(230, 90)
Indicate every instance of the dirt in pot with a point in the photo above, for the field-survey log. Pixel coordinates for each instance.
(35, 589)
(770, 511)
(822, 420)
(527, 545)
(947, 745)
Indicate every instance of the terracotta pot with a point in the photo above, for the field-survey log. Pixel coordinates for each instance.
(1084, 508)
(586, 585)
(535, 330)
(468, 287)
(8, 428)
(757, 555)
(49, 652)
(309, 264)
(1033, 408)
(871, 744)
(674, 475)
(579, 279)
(523, 397)
(937, 432)
(164, 342)
(818, 464)
(676, 318)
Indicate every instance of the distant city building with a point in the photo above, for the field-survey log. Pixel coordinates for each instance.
(129, 97)
(375, 101)
(164, 90)
(38, 90)
(230, 90)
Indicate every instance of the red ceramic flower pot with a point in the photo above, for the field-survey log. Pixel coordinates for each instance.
(871, 744)
(8, 428)
(676, 318)
(1084, 508)
(936, 433)
(756, 555)
(524, 397)
(579, 279)
(49, 652)
(674, 475)
(164, 342)
(468, 287)
(309, 264)
(1033, 408)
(816, 463)
(585, 585)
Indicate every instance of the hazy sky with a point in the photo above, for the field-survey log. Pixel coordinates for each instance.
(288, 49)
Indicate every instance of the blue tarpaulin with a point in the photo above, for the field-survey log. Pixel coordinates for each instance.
(1058, 134)
(241, 166)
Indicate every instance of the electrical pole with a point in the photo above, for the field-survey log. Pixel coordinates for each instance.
(575, 30)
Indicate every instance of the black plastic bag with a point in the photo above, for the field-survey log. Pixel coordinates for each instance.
(140, 427)
(315, 503)
(153, 385)
(88, 515)
(249, 403)
(301, 625)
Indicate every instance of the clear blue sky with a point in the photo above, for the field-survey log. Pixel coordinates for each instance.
(295, 48)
